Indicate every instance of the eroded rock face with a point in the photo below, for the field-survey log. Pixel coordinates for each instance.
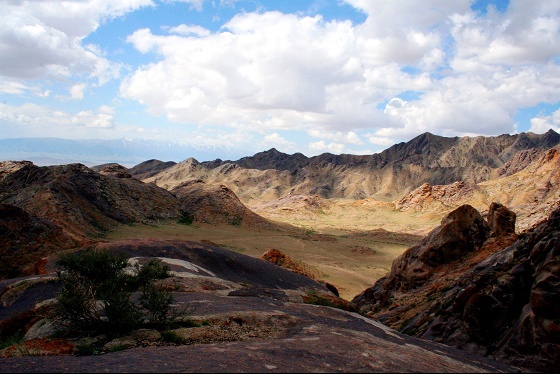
(500, 300)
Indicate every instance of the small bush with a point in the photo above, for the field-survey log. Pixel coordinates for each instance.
(96, 290)
(8, 341)
(157, 303)
(235, 221)
(186, 219)
(86, 350)
(171, 337)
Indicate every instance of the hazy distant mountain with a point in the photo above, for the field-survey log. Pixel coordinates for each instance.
(386, 176)
(127, 152)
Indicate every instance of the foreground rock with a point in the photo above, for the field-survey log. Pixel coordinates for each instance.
(497, 295)
(252, 318)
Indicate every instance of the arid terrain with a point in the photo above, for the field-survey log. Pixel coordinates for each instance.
(397, 236)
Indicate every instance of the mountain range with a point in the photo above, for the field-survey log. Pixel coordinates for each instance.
(485, 279)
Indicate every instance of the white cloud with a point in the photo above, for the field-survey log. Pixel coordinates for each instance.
(380, 141)
(77, 91)
(275, 140)
(265, 72)
(541, 125)
(38, 120)
(322, 146)
(350, 137)
(189, 30)
(42, 39)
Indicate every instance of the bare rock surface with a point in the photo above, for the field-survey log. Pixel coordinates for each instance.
(267, 335)
(270, 328)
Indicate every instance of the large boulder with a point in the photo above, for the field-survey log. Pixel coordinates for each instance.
(461, 231)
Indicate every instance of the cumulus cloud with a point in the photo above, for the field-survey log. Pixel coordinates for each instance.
(350, 137)
(285, 71)
(542, 124)
(341, 83)
(275, 140)
(42, 39)
(36, 118)
(322, 146)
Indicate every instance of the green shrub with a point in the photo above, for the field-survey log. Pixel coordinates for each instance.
(151, 271)
(186, 219)
(235, 221)
(157, 303)
(96, 290)
(8, 341)
(171, 337)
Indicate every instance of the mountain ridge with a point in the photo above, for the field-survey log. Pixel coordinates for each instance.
(386, 176)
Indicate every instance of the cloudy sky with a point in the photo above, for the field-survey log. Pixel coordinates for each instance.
(310, 76)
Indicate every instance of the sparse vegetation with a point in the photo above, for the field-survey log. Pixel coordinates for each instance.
(186, 219)
(170, 336)
(96, 290)
(235, 221)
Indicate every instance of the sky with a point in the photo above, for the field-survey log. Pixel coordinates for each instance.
(309, 76)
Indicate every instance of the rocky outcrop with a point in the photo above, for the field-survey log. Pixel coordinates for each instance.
(279, 258)
(114, 170)
(500, 300)
(501, 220)
(8, 167)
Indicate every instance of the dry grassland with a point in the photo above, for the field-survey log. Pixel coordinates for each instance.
(351, 245)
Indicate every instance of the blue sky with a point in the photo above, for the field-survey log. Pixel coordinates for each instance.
(339, 76)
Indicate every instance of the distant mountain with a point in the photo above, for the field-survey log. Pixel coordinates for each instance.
(386, 176)
(127, 152)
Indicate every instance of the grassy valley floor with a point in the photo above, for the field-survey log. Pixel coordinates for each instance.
(350, 259)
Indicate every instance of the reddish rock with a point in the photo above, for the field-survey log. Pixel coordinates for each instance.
(40, 347)
(501, 220)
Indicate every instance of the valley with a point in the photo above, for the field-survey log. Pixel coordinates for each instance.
(429, 237)
(350, 261)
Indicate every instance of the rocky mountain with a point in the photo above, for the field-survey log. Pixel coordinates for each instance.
(82, 201)
(215, 204)
(386, 176)
(474, 284)
(531, 187)
(150, 168)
